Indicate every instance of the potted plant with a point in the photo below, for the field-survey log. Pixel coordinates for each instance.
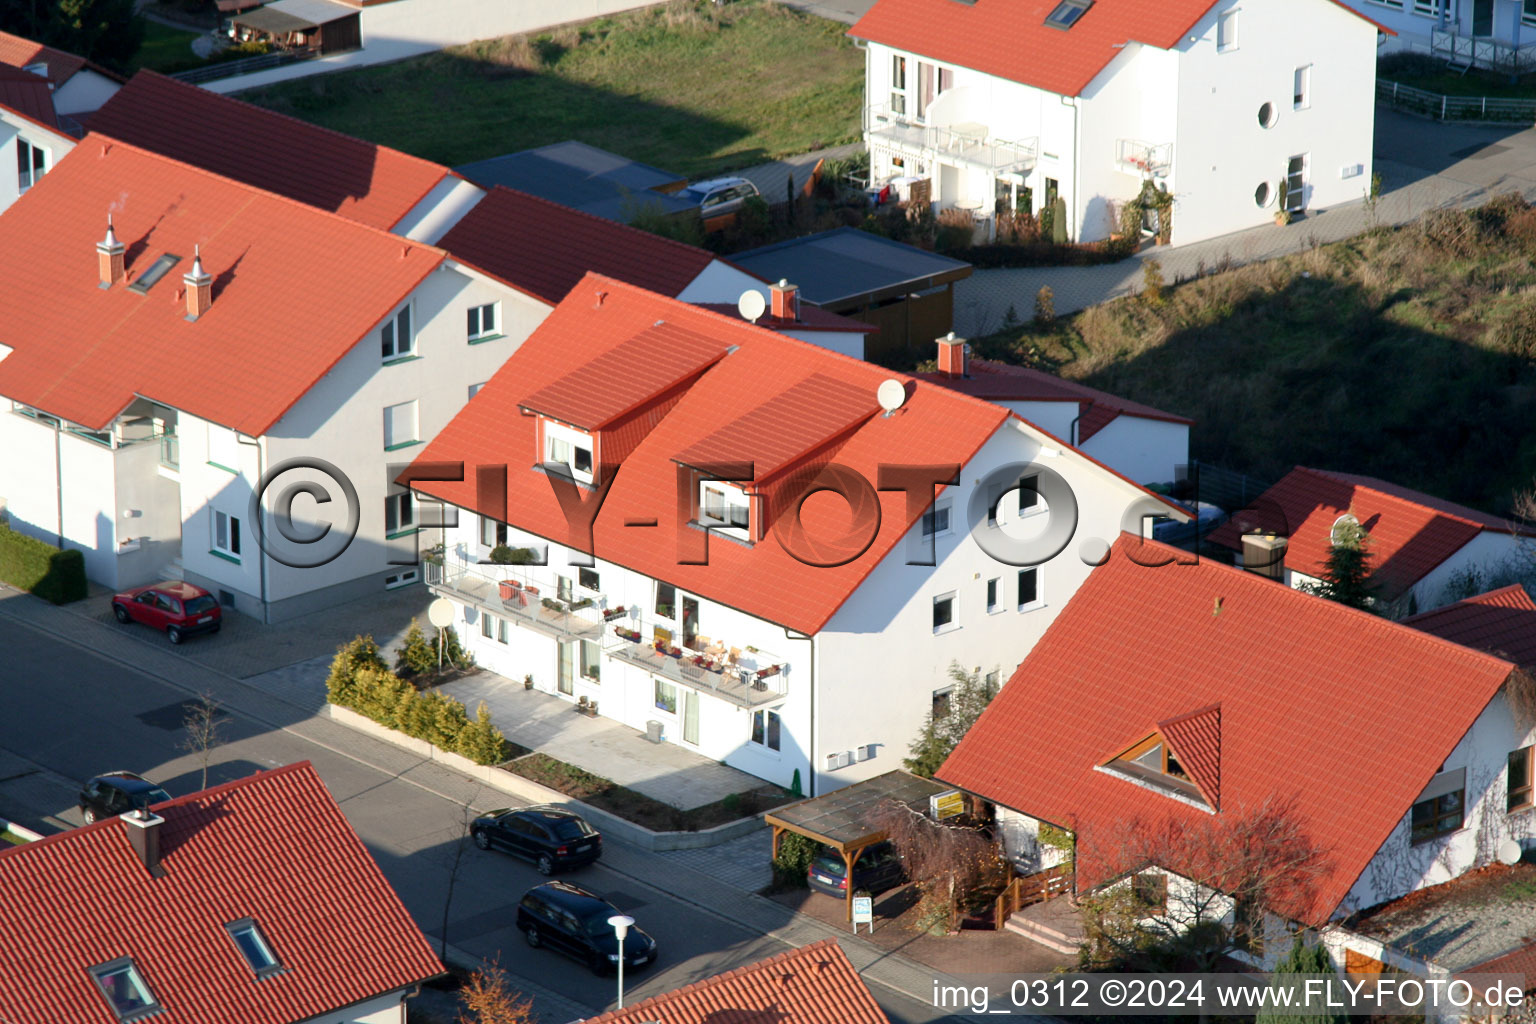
(528, 681)
(592, 709)
(676, 652)
(614, 613)
(581, 704)
(1282, 210)
(509, 589)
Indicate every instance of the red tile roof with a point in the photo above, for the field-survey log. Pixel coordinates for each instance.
(814, 984)
(812, 318)
(294, 289)
(626, 377)
(1010, 39)
(1300, 682)
(934, 426)
(28, 95)
(273, 846)
(544, 249)
(1196, 739)
(359, 180)
(1411, 532)
(1004, 382)
(18, 51)
(1501, 622)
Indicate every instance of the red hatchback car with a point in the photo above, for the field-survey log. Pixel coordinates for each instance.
(179, 608)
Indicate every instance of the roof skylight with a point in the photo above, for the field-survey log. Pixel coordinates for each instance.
(125, 989)
(156, 271)
(1067, 13)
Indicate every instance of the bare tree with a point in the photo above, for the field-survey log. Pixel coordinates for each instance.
(203, 720)
(947, 862)
(1227, 873)
(488, 998)
(455, 855)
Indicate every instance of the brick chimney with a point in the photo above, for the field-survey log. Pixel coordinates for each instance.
(786, 301)
(199, 287)
(109, 258)
(954, 356)
(144, 836)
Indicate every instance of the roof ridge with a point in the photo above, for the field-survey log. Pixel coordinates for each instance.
(1475, 601)
(1354, 480)
(257, 190)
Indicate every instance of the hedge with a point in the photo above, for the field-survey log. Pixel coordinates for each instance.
(41, 568)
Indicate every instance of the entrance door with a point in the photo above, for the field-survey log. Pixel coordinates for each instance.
(567, 668)
(1482, 17)
(1296, 184)
(690, 717)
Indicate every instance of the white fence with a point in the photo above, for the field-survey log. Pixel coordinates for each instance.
(1456, 108)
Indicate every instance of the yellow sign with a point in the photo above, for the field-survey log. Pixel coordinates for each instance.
(946, 805)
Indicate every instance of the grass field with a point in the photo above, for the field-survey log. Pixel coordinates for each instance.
(685, 86)
(1408, 354)
(165, 49)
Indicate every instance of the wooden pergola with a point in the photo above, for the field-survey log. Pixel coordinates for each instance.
(838, 819)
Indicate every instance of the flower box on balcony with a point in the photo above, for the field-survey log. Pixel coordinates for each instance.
(613, 613)
(676, 652)
(771, 670)
(509, 589)
(628, 634)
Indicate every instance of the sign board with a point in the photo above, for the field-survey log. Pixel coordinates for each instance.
(863, 911)
(946, 805)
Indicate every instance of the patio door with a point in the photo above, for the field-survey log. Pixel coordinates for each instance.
(691, 717)
(1482, 17)
(1296, 184)
(691, 623)
(566, 675)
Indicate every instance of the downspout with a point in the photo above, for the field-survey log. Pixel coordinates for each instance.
(261, 551)
(810, 773)
(58, 474)
(1077, 167)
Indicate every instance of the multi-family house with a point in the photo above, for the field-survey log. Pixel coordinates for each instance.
(32, 136)
(251, 901)
(1422, 551)
(1183, 699)
(649, 519)
(79, 86)
(1010, 105)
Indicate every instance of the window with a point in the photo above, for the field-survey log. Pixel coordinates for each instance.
(397, 513)
(944, 613)
(396, 340)
(1296, 183)
(474, 389)
(1261, 195)
(226, 535)
(1527, 12)
(898, 84)
(666, 697)
(1029, 496)
(765, 729)
(590, 668)
(994, 680)
(941, 702)
(992, 588)
(1067, 13)
(401, 579)
(1439, 808)
(492, 533)
(720, 505)
(1029, 589)
(588, 579)
(666, 600)
(1303, 90)
(1433, 8)
(487, 625)
(503, 630)
(1266, 117)
(400, 426)
(563, 588)
(1226, 31)
(1150, 893)
(482, 321)
(31, 164)
(125, 989)
(936, 521)
(575, 454)
(253, 946)
(1519, 780)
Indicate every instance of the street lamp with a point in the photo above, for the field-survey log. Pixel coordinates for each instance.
(621, 924)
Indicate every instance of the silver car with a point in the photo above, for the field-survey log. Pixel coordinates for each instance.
(720, 197)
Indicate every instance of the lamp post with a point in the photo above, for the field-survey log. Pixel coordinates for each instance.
(621, 924)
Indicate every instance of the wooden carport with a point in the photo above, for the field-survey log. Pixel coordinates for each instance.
(839, 818)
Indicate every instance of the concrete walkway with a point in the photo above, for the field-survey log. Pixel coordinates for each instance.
(543, 722)
(1423, 165)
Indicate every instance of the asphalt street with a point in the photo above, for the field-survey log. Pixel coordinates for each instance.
(72, 713)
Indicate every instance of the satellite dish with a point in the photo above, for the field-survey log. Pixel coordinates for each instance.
(440, 613)
(1509, 851)
(1347, 519)
(891, 394)
(751, 304)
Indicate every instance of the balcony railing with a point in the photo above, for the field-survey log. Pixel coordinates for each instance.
(506, 590)
(1147, 159)
(971, 143)
(745, 678)
(1481, 52)
(170, 451)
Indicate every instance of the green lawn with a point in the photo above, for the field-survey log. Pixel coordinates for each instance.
(165, 49)
(685, 86)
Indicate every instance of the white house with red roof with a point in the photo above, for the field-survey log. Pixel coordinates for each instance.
(1192, 694)
(1007, 105)
(79, 85)
(676, 473)
(1484, 33)
(33, 137)
(1419, 545)
(252, 901)
(1143, 443)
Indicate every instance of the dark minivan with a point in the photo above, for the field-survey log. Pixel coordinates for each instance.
(877, 869)
(570, 919)
(550, 836)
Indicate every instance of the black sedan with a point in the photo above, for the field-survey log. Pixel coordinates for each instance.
(551, 837)
(573, 921)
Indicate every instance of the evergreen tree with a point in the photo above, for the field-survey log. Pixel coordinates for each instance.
(416, 654)
(1346, 575)
(1305, 962)
(949, 721)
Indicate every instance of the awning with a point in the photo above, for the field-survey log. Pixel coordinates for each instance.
(286, 16)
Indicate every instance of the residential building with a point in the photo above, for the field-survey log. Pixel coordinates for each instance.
(252, 901)
(1190, 696)
(1501, 622)
(79, 86)
(1484, 33)
(1143, 443)
(1422, 550)
(1007, 106)
(586, 178)
(709, 446)
(808, 985)
(33, 135)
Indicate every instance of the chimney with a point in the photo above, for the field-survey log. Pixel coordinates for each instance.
(144, 836)
(109, 257)
(786, 300)
(199, 287)
(1264, 554)
(954, 356)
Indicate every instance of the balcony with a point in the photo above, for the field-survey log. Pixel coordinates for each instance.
(1143, 159)
(970, 144)
(746, 678)
(505, 590)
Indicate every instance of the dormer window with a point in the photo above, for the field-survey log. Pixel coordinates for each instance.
(571, 448)
(253, 947)
(1067, 13)
(125, 989)
(723, 506)
(1154, 763)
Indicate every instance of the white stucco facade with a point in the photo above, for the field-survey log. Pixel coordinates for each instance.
(85, 91)
(385, 1009)
(1190, 115)
(1484, 554)
(39, 143)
